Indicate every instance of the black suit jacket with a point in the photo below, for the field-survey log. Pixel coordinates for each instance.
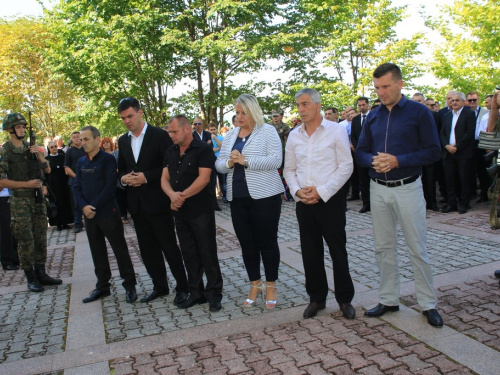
(356, 129)
(149, 196)
(206, 136)
(464, 134)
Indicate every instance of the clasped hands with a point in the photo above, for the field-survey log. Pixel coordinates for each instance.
(177, 199)
(89, 211)
(451, 148)
(308, 195)
(383, 163)
(134, 179)
(236, 158)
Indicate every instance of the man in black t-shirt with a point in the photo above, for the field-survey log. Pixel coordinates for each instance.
(72, 155)
(185, 179)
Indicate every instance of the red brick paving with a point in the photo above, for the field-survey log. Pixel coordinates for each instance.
(315, 346)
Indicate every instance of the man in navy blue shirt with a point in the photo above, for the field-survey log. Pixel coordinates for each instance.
(398, 139)
(95, 187)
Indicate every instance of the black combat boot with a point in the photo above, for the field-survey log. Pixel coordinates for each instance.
(33, 283)
(44, 278)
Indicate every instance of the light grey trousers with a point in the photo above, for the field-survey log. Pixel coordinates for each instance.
(404, 205)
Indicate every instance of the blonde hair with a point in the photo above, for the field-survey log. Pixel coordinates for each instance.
(251, 107)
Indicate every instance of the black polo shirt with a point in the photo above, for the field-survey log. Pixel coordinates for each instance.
(183, 171)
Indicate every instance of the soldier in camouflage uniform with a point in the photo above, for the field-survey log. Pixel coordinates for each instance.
(283, 131)
(28, 218)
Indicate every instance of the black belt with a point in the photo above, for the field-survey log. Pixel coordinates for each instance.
(395, 183)
(23, 193)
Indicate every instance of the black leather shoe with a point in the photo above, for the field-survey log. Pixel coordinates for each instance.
(180, 297)
(131, 295)
(312, 309)
(10, 267)
(364, 209)
(66, 226)
(78, 229)
(217, 208)
(348, 310)
(215, 306)
(224, 200)
(353, 199)
(433, 207)
(482, 200)
(95, 295)
(154, 295)
(497, 274)
(433, 317)
(462, 210)
(380, 310)
(59, 228)
(446, 209)
(190, 302)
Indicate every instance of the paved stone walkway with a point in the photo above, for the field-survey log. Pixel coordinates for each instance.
(55, 333)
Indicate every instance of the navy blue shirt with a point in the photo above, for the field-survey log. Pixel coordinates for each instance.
(95, 183)
(407, 131)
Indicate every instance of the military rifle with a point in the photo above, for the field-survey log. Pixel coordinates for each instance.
(35, 172)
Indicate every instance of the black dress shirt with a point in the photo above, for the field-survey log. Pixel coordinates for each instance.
(183, 171)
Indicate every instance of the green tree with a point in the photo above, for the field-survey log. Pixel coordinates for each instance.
(27, 83)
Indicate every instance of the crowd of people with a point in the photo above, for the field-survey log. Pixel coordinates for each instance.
(391, 155)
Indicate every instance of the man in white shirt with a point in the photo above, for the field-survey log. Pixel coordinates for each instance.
(318, 163)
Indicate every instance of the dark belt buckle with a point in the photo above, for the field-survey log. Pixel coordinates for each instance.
(391, 183)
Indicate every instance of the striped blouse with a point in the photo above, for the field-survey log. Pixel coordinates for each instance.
(263, 151)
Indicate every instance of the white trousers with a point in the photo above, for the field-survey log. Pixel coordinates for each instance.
(406, 205)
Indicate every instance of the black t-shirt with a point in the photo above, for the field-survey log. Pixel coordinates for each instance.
(72, 156)
(183, 171)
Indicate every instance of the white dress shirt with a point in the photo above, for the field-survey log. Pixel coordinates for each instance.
(322, 160)
(483, 125)
(136, 142)
(456, 115)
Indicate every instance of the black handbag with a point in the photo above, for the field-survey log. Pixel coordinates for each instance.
(51, 208)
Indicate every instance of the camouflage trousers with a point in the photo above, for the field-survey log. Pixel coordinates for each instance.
(29, 227)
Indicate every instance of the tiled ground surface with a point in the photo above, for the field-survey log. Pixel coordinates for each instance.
(326, 344)
(472, 308)
(33, 324)
(55, 238)
(476, 222)
(447, 251)
(125, 321)
(59, 264)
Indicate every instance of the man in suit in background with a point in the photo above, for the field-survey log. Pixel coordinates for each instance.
(201, 134)
(479, 165)
(363, 177)
(457, 139)
(140, 165)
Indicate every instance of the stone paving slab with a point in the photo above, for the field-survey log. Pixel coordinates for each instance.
(33, 324)
(59, 264)
(478, 222)
(125, 321)
(447, 252)
(326, 344)
(471, 307)
(55, 237)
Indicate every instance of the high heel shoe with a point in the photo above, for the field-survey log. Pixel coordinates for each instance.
(271, 304)
(249, 302)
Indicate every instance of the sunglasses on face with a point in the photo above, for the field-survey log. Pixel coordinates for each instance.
(52, 146)
(197, 123)
(472, 100)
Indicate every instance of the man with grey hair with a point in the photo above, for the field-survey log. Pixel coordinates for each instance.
(318, 163)
(95, 188)
(418, 97)
(458, 152)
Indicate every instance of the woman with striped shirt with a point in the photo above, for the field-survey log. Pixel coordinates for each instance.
(251, 155)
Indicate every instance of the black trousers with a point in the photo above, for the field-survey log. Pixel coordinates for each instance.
(460, 170)
(354, 179)
(98, 230)
(8, 244)
(364, 184)
(480, 170)
(121, 199)
(255, 222)
(429, 184)
(199, 249)
(156, 238)
(318, 221)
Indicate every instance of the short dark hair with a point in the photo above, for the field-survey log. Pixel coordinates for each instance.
(95, 132)
(181, 120)
(361, 98)
(128, 102)
(387, 68)
(377, 101)
(472, 93)
(75, 132)
(333, 109)
(430, 99)
(489, 96)
(212, 124)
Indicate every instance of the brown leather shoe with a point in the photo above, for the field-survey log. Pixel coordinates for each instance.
(348, 310)
(312, 309)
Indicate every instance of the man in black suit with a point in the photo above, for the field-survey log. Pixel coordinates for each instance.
(140, 165)
(363, 177)
(457, 139)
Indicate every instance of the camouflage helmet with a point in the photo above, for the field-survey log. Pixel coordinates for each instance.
(13, 119)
